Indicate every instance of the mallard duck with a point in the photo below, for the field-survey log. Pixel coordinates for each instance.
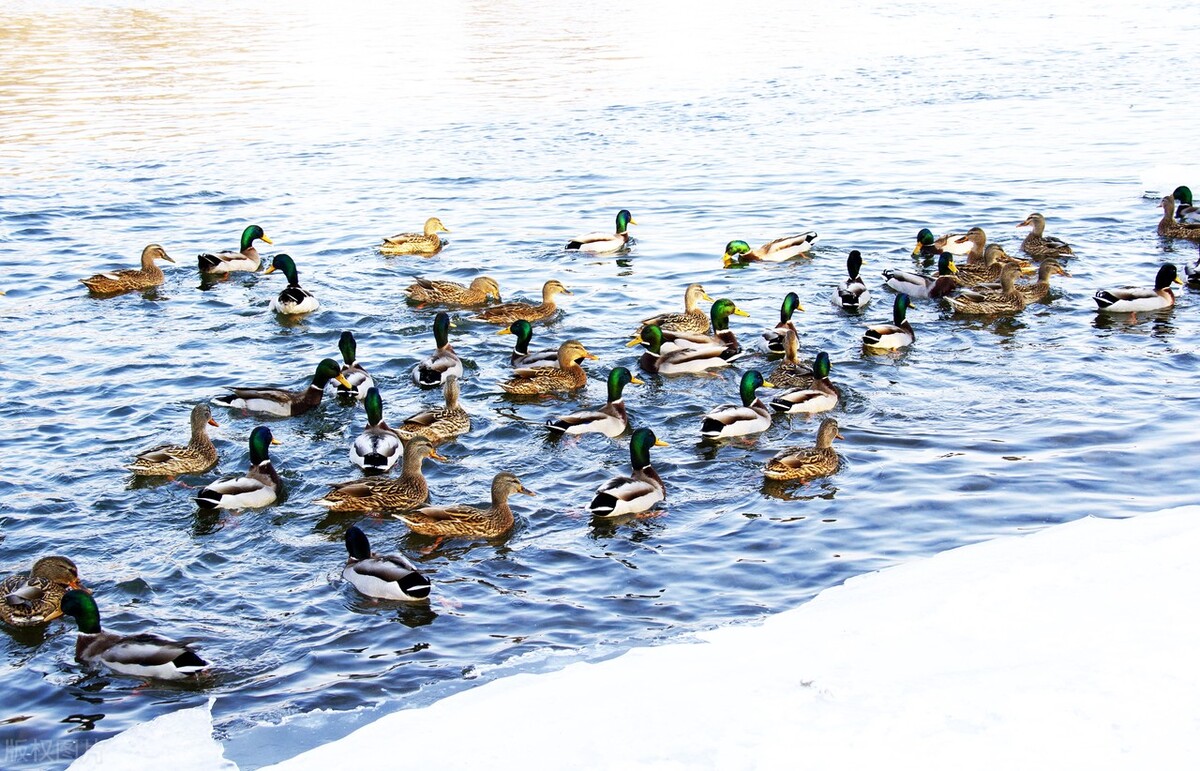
(898, 334)
(969, 245)
(521, 355)
(791, 373)
(1192, 270)
(637, 493)
(426, 244)
(427, 292)
(603, 243)
(467, 521)
(433, 371)
(355, 374)
(138, 655)
(722, 335)
(228, 262)
(1168, 226)
(804, 463)
(750, 417)
(33, 599)
(772, 339)
(821, 396)
(386, 576)
(407, 491)
(610, 420)
(988, 270)
(149, 275)
(926, 244)
(377, 448)
(258, 488)
(779, 250)
(1035, 292)
(1007, 302)
(1133, 299)
(680, 360)
(693, 318)
(171, 460)
(567, 376)
(1037, 245)
(922, 287)
(507, 313)
(1186, 213)
(852, 294)
(281, 403)
(294, 299)
(440, 423)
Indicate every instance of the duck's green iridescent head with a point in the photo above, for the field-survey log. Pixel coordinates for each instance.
(348, 346)
(752, 380)
(260, 444)
(624, 220)
(327, 370)
(285, 265)
(373, 404)
(652, 338)
(441, 328)
(924, 238)
(791, 304)
(357, 544)
(1168, 274)
(524, 332)
(821, 365)
(721, 310)
(900, 308)
(1183, 195)
(639, 447)
(618, 379)
(946, 264)
(251, 234)
(734, 249)
(81, 606)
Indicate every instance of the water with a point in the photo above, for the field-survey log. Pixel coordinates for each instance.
(521, 125)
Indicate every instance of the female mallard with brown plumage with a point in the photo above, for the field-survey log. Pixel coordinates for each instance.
(779, 250)
(468, 521)
(425, 244)
(407, 491)
(772, 339)
(693, 318)
(1037, 244)
(31, 599)
(281, 403)
(428, 292)
(149, 275)
(611, 419)
(567, 376)
(246, 258)
(791, 373)
(440, 423)
(507, 313)
(987, 269)
(804, 463)
(1170, 227)
(1035, 292)
(1007, 302)
(171, 460)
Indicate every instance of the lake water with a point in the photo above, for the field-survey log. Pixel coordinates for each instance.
(520, 125)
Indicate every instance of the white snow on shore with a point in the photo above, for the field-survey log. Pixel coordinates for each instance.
(1074, 647)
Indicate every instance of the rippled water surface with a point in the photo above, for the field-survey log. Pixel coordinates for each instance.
(520, 125)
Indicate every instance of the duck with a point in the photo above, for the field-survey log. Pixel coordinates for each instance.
(146, 277)
(383, 576)
(355, 374)
(425, 244)
(258, 488)
(461, 521)
(722, 335)
(521, 355)
(138, 655)
(294, 299)
(1007, 302)
(772, 339)
(432, 371)
(821, 396)
(790, 373)
(604, 243)
(1035, 292)
(779, 250)
(1133, 299)
(379, 493)
(246, 258)
(852, 293)
(170, 460)
(922, 287)
(898, 334)
(378, 447)
(805, 463)
(427, 292)
(750, 417)
(280, 403)
(1186, 213)
(1192, 270)
(1169, 227)
(969, 245)
(1037, 245)
(636, 493)
(32, 599)
(610, 420)
(507, 313)
(567, 376)
(926, 244)
(693, 319)
(440, 423)
(679, 361)
(988, 270)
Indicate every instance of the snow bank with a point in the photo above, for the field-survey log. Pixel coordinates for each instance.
(180, 741)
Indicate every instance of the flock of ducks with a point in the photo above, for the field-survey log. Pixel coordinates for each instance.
(972, 276)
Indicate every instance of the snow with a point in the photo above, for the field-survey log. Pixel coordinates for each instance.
(181, 741)
(1071, 647)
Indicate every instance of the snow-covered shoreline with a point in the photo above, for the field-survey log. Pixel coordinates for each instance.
(1071, 647)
